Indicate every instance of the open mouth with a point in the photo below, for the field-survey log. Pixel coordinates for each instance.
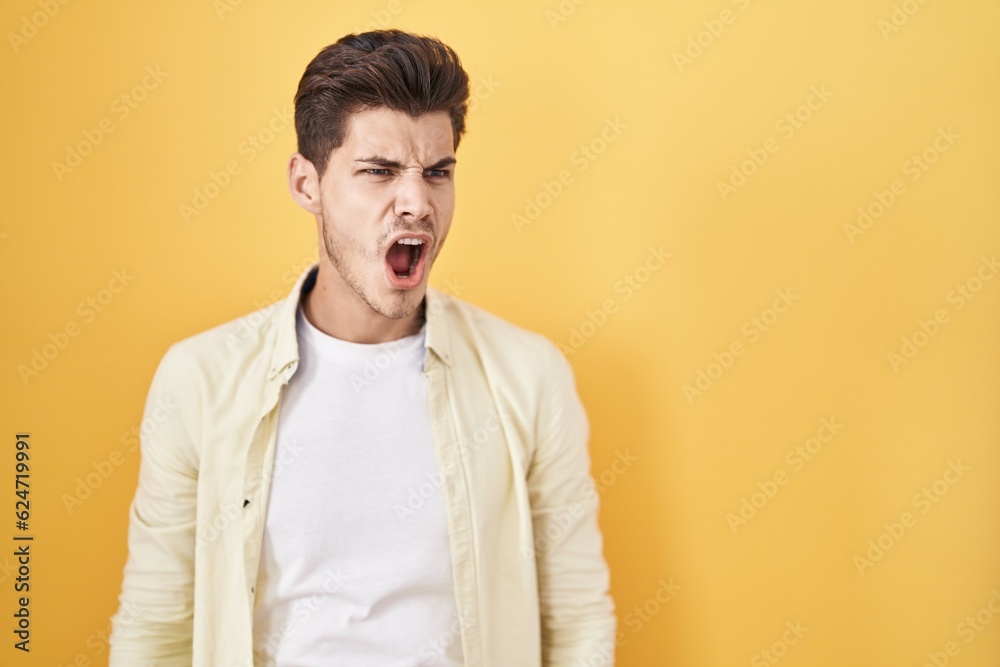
(404, 257)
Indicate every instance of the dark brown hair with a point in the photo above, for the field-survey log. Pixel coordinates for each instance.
(405, 72)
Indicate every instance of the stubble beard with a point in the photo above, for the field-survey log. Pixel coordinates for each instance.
(397, 309)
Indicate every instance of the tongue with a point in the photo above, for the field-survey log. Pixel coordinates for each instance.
(399, 258)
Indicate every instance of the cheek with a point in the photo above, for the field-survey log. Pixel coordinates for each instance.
(444, 204)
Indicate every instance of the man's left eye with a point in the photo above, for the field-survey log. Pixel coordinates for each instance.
(439, 173)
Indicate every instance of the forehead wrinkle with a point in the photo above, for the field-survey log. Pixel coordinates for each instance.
(389, 163)
(400, 145)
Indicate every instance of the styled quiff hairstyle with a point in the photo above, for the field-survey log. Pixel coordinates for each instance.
(405, 72)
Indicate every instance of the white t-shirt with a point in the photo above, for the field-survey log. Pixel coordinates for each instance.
(346, 579)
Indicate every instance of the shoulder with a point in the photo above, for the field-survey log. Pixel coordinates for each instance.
(530, 352)
(233, 344)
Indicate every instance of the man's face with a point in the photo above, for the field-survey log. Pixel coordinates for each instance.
(392, 178)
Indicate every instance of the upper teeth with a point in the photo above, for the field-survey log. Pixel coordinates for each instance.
(409, 241)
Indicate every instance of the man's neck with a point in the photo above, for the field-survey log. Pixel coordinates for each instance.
(355, 321)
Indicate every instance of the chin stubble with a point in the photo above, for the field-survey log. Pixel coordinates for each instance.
(352, 281)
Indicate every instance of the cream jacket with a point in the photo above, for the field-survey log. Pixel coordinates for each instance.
(510, 435)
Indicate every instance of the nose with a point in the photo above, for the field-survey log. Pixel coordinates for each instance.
(413, 196)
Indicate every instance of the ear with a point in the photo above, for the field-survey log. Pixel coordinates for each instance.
(303, 183)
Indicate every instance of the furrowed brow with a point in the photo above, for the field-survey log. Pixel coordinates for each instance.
(386, 163)
(381, 161)
(443, 162)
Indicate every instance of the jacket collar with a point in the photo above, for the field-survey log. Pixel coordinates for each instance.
(286, 345)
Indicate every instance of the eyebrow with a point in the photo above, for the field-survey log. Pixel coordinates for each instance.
(386, 163)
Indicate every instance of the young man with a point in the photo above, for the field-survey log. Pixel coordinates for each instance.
(370, 472)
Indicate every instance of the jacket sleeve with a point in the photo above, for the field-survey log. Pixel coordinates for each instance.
(578, 621)
(154, 620)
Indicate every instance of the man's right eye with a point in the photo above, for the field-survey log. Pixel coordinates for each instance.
(384, 172)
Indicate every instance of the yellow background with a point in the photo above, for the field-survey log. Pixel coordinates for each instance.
(548, 77)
